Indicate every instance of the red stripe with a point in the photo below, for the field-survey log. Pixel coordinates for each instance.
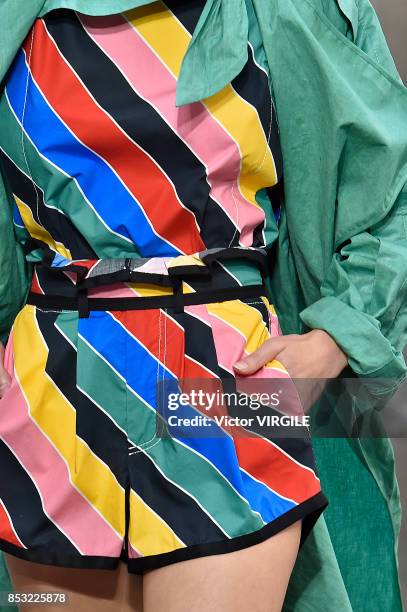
(145, 327)
(270, 465)
(260, 458)
(144, 179)
(6, 529)
(84, 263)
(35, 285)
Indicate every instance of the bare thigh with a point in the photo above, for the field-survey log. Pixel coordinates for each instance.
(254, 578)
(107, 590)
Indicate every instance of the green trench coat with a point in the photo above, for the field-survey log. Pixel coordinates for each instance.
(341, 249)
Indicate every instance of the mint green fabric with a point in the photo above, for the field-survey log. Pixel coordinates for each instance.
(340, 258)
(14, 271)
(352, 297)
(5, 585)
(351, 176)
(216, 53)
(361, 529)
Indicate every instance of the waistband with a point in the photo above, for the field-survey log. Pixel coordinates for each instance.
(122, 283)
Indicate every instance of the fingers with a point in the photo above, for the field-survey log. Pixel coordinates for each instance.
(256, 360)
(5, 379)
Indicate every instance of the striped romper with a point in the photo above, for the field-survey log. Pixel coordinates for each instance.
(148, 229)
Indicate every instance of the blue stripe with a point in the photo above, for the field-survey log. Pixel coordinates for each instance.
(267, 503)
(104, 334)
(17, 218)
(111, 200)
(60, 261)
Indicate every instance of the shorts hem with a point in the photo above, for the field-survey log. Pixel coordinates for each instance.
(308, 511)
(47, 558)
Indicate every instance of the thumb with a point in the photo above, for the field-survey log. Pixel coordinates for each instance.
(256, 360)
(5, 378)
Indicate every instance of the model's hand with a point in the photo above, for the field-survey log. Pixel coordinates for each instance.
(314, 356)
(4, 376)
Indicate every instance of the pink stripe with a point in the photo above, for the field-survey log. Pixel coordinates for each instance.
(208, 140)
(133, 553)
(155, 265)
(230, 346)
(8, 355)
(116, 290)
(62, 502)
(275, 329)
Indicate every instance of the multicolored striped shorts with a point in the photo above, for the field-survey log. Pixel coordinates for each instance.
(88, 477)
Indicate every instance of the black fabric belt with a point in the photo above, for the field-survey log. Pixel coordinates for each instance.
(84, 304)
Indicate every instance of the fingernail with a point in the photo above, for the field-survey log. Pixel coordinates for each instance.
(240, 365)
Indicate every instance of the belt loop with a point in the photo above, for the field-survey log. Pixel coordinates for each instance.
(178, 294)
(83, 304)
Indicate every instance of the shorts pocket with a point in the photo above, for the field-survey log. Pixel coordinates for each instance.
(239, 327)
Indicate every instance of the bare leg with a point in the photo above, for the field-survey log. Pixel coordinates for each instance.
(254, 578)
(102, 590)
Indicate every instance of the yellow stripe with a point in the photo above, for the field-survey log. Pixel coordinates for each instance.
(150, 290)
(245, 319)
(38, 231)
(275, 363)
(248, 321)
(56, 417)
(169, 39)
(148, 533)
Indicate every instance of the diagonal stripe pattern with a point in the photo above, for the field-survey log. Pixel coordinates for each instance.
(110, 177)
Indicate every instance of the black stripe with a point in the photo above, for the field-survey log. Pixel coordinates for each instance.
(252, 84)
(199, 343)
(186, 11)
(180, 511)
(22, 500)
(142, 124)
(99, 432)
(54, 221)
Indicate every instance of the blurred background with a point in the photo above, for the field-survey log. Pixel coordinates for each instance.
(393, 17)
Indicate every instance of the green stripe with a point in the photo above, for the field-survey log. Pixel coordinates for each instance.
(270, 225)
(246, 272)
(213, 492)
(103, 386)
(191, 472)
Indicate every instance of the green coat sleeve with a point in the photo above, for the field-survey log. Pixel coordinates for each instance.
(14, 271)
(363, 303)
(16, 18)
